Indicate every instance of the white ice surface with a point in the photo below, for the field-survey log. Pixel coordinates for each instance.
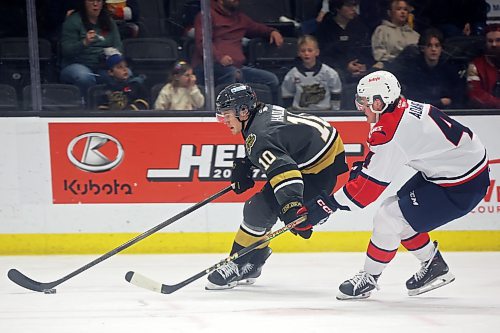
(296, 293)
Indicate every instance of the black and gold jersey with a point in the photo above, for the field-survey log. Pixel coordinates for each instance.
(284, 146)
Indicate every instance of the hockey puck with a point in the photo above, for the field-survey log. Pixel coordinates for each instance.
(49, 291)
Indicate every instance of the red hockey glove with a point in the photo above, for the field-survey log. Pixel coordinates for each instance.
(241, 177)
(292, 211)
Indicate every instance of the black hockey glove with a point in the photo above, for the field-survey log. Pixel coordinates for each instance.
(320, 208)
(241, 177)
(356, 169)
(292, 211)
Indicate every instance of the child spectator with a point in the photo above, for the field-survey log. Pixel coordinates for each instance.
(391, 37)
(181, 91)
(126, 14)
(123, 92)
(312, 84)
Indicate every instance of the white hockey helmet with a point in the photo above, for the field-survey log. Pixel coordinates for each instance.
(379, 84)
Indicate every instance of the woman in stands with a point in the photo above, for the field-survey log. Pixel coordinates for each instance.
(85, 35)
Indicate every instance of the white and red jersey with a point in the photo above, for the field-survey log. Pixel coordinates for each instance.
(422, 137)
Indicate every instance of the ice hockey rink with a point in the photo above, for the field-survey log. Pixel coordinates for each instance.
(296, 293)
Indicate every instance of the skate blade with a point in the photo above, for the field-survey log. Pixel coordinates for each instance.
(343, 297)
(212, 286)
(434, 284)
(247, 282)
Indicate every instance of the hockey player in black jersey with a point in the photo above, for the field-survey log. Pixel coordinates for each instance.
(301, 155)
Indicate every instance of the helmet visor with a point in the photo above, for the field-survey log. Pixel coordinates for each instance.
(223, 116)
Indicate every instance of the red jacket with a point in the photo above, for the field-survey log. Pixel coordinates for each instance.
(227, 31)
(482, 76)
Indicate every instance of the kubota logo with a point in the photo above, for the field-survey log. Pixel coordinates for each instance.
(95, 152)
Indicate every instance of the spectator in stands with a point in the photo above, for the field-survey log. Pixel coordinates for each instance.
(312, 84)
(181, 91)
(126, 14)
(391, 37)
(345, 41)
(427, 77)
(85, 34)
(229, 26)
(483, 73)
(123, 92)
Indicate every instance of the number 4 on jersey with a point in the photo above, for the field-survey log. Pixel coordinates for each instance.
(451, 129)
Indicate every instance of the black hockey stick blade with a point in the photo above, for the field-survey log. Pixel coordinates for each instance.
(22, 280)
(25, 282)
(150, 284)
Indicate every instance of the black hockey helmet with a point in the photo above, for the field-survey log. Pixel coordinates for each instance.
(235, 97)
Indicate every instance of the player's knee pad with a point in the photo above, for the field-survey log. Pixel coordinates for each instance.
(258, 215)
(389, 218)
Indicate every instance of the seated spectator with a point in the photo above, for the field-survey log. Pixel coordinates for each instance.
(123, 92)
(391, 37)
(483, 73)
(427, 77)
(181, 91)
(229, 26)
(313, 85)
(85, 35)
(126, 15)
(345, 41)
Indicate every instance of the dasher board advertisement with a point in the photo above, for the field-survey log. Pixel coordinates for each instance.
(172, 162)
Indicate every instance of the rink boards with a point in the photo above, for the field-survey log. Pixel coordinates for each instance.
(83, 185)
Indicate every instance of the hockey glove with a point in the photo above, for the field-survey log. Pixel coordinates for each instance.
(320, 208)
(241, 177)
(292, 211)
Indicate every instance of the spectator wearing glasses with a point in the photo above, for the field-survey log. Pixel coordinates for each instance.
(85, 35)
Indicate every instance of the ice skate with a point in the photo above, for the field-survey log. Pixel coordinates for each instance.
(232, 274)
(224, 277)
(433, 274)
(360, 286)
(252, 270)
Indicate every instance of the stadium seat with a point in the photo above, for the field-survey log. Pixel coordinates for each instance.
(15, 66)
(152, 57)
(8, 98)
(267, 56)
(55, 97)
(94, 94)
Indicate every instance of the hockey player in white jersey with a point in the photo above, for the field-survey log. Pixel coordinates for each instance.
(452, 177)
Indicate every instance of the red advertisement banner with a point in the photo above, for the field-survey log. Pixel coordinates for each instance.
(156, 162)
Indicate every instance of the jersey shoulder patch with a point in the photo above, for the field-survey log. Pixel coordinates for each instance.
(250, 142)
(384, 130)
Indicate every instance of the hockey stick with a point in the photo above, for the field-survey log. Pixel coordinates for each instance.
(25, 282)
(147, 283)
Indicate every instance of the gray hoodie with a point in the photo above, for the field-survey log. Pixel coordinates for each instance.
(388, 40)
